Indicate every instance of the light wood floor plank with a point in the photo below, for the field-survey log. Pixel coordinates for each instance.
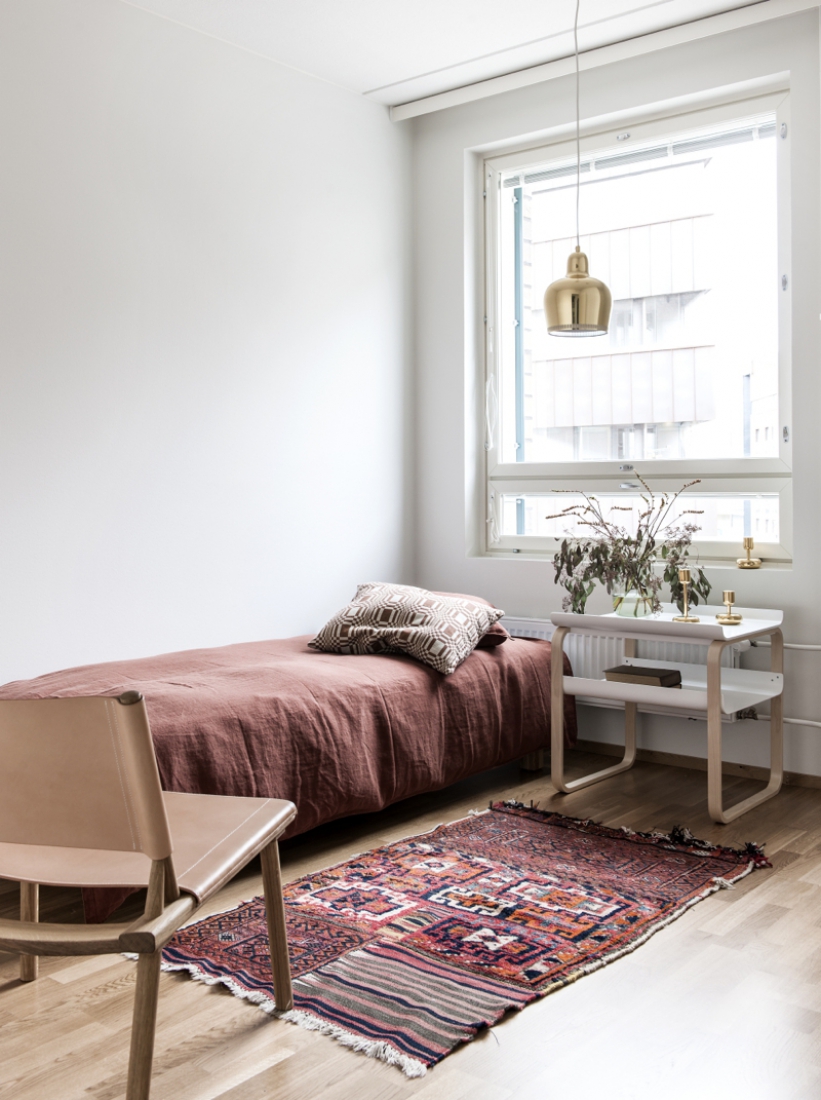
(726, 1002)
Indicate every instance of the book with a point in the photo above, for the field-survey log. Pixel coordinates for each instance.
(640, 674)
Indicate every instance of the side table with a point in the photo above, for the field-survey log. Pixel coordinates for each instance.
(705, 690)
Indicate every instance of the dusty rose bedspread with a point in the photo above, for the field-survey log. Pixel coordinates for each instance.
(335, 734)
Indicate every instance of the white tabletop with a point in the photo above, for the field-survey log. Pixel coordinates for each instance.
(661, 625)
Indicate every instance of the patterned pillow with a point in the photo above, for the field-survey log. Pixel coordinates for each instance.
(395, 618)
(496, 634)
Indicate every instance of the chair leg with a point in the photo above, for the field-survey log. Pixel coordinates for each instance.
(277, 933)
(143, 1026)
(29, 911)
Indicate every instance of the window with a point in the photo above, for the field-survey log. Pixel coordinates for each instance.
(684, 219)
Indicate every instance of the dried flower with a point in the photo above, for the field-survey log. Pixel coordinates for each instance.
(615, 558)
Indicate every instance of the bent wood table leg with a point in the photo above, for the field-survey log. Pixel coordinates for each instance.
(277, 933)
(557, 722)
(715, 785)
(29, 911)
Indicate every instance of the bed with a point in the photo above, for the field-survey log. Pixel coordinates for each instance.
(337, 735)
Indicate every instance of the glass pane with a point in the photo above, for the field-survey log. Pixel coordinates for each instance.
(685, 235)
(723, 518)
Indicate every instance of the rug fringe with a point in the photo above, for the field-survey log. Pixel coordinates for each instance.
(372, 1048)
(677, 839)
(255, 996)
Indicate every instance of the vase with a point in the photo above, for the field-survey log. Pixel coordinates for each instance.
(632, 605)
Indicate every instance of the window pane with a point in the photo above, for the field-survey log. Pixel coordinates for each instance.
(723, 518)
(685, 235)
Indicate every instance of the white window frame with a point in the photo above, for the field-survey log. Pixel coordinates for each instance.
(740, 476)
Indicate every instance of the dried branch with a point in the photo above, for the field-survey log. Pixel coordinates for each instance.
(613, 557)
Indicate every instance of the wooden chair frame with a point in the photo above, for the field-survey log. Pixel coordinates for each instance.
(166, 910)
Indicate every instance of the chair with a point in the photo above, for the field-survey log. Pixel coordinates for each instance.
(81, 805)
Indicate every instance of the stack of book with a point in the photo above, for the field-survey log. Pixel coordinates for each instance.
(640, 674)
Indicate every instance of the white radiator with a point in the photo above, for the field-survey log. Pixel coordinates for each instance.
(590, 655)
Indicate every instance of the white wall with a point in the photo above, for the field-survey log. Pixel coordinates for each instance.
(449, 349)
(204, 421)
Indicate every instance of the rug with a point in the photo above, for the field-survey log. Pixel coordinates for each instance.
(409, 950)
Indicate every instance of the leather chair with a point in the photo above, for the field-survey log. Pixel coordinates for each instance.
(81, 805)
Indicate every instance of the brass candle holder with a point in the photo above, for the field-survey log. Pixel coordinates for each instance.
(684, 577)
(730, 618)
(748, 562)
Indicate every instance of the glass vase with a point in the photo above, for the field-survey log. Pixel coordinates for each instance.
(632, 605)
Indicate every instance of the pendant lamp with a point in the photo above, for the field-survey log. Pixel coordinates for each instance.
(578, 304)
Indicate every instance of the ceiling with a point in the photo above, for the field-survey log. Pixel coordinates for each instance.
(395, 51)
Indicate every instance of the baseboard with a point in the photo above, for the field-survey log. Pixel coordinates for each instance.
(699, 763)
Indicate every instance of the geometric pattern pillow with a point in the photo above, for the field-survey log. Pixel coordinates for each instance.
(438, 630)
(496, 635)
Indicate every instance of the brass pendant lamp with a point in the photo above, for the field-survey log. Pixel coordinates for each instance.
(578, 304)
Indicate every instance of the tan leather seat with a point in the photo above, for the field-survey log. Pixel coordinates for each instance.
(213, 839)
(81, 805)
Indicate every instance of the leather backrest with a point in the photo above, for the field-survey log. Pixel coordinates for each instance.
(80, 773)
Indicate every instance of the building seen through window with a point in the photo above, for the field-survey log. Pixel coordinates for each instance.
(685, 234)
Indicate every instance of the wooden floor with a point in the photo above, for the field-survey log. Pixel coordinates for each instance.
(725, 1003)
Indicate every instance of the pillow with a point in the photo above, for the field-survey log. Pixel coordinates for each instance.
(496, 635)
(493, 637)
(438, 630)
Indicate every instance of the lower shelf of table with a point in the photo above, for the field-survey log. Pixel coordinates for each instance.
(740, 688)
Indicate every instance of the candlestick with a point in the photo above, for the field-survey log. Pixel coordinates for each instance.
(730, 618)
(684, 577)
(748, 562)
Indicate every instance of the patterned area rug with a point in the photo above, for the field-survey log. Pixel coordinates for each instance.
(409, 950)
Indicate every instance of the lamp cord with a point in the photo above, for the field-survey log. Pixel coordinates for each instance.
(578, 146)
